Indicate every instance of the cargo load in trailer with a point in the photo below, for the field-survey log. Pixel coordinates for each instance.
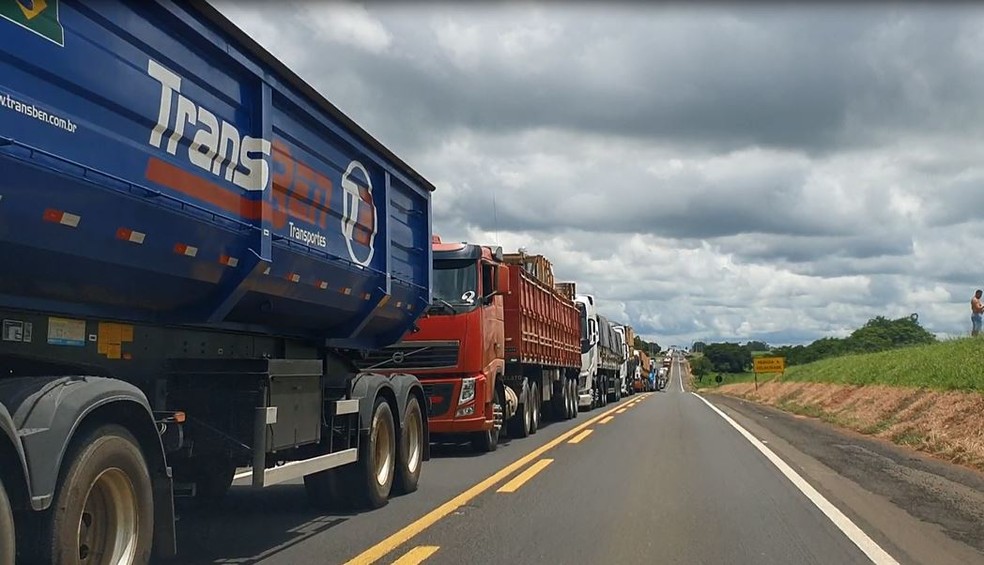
(197, 247)
(497, 349)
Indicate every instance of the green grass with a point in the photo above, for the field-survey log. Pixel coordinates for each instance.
(727, 378)
(949, 365)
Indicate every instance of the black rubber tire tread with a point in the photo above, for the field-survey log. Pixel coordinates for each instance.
(7, 548)
(406, 480)
(91, 453)
(518, 426)
(366, 491)
(483, 442)
(575, 400)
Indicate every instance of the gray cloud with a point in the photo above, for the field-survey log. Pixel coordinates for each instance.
(768, 171)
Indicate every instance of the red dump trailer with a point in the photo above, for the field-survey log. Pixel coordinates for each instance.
(542, 349)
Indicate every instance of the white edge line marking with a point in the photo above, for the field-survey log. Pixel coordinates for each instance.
(850, 529)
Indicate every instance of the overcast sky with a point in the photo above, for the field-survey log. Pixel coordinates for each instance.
(719, 172)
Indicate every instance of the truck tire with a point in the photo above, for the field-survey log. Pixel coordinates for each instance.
(104, 504)
(410, 455)
(488, 441)
(574, 399)
(519, 425)
(6, 529)
(376, 467)
(534, 399)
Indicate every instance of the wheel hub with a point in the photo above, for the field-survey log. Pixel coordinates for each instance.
(108, 525)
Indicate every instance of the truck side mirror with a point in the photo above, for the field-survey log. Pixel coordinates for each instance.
(502, 280)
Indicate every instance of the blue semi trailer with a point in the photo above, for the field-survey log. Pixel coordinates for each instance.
(196, 249)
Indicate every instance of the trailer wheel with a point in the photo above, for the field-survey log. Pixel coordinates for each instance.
(103, 512)
(534, 407)
(6, 529)
(411, 452)
(519, 425)
(573, 399)
(377, 458)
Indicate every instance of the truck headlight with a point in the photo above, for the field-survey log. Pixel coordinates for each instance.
(467, 390)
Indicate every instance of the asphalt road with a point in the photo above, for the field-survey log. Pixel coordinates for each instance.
(659, 478)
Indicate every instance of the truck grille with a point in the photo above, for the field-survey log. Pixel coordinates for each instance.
(438, 398)
(411, 356)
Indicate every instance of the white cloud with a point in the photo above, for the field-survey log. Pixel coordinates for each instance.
(771, 172)
(347, 23)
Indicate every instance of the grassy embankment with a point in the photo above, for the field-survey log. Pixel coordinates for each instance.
(929, 397)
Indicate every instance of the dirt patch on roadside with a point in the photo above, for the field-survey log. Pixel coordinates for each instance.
(949, 425)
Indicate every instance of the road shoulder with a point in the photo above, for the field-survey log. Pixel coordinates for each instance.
(919, 509)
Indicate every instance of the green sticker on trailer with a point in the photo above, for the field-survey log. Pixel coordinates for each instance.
(38, 16)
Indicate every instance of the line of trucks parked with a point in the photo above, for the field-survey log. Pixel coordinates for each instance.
(208, 272)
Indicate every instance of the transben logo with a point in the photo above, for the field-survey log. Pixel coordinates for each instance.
(38, 16)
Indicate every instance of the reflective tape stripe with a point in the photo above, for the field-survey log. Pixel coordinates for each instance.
(322, 285)
(61, 217)
(229, 261)
(126, 234)
(294, 277)
(187, 250)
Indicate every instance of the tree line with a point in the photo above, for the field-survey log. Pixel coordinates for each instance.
(878, 334)
(650, 348)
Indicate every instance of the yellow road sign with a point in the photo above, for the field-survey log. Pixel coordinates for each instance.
(770, 364)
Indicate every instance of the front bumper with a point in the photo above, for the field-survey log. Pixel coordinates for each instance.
(443, 408)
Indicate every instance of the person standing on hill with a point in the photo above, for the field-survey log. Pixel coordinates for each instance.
(976, 313)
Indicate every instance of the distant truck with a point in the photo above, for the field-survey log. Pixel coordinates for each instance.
(196, 245)
(602, 355)
(496, 347)
(621, 385)
(640, 366)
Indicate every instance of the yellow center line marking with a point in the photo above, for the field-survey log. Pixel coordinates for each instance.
(417, 555)
(620, 410)
(522, 478)
(606, 419)
(580, 436)
(382, 548)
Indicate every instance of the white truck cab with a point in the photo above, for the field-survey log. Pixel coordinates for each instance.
(589, 350)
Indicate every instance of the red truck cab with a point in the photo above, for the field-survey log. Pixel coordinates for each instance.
(457, 350)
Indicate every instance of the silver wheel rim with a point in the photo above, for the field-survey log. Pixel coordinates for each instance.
(528, 412)
(535, 407)
(572, 395)
(414, 435)
(108, 526)
(382, 440)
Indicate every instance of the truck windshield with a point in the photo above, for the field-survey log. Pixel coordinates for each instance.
(455, 284)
